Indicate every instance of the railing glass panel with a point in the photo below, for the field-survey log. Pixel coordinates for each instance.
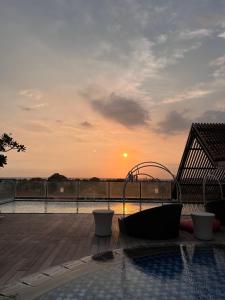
(64, 189)
(7, 190)
(132, 190)
(27, 188)
(156, 190)
(93, 190)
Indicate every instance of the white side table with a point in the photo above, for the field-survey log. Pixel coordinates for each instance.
(103, 222)
(203, 225)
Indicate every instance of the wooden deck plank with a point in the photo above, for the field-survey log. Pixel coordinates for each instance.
(32, 242)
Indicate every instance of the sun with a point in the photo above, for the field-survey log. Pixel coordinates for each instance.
(125, 154)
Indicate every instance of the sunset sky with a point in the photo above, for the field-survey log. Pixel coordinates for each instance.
(84, 81)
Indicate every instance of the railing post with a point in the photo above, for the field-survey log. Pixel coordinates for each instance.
(46, 189)
(78, 190)
(15, 189)
(140, 195)
(77, 207)
(108, 193)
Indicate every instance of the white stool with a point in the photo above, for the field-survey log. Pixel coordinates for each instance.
(103, 222)
(203, 225)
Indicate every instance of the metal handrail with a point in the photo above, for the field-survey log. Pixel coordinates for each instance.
(131, 174)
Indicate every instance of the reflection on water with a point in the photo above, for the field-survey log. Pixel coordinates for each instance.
(70, 207)
(84, 207)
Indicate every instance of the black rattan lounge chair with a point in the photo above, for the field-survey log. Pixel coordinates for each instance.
(216, 202)
(217, 207)
(157, 223)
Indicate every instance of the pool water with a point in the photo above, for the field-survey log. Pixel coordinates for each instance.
(29, 206)
(178, 272)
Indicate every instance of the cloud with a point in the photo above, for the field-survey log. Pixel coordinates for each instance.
(174, 122)
(144, 64)
(86, 124)
(219, 65)
(222, 35)
(147, 64)
(179, 52)
(194, 34)
(35, 98)
(188, 95)
(32, 107)
(32, 94)
(91, 90)
(114, 28)
(24, 108)
(36, 126)
(212, 116)
(162, 38)
(103, 49)
(139, 69)
(127, 112)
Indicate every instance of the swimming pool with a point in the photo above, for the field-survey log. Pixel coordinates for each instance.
(171, 272)
(36, 206)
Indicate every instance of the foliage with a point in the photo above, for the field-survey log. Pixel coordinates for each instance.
(36, 179)
(57, 177)
(94, 179)
(7, 143)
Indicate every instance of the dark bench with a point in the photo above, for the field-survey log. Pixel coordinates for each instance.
(217, 207)
(156, 223)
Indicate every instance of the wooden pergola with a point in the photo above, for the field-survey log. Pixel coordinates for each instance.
(204, 154)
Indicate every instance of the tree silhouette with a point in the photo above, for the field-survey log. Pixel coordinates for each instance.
(94, 179)
(57, 177)
(7, 143)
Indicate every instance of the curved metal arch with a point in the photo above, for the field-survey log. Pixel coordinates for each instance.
(148, 175)
(213, 176)
(146, 164)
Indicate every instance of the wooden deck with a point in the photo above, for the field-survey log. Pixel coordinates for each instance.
(33, 242)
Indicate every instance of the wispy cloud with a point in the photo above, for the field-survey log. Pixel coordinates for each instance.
(143, 59)
(219, 65)
(36, 126)
(222, 35)
(188, 95)
(212, 116)
(195, 34)
(127, 112)
(179, 53)
(86, 124)
(33, 94)
(145, 64)
(33, 98)
(24, 108)
(162, 38)
(32, 107)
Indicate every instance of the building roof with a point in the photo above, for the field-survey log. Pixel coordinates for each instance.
(203, 153)
(212, 139)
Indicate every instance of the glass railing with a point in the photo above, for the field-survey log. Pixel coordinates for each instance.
(84, 190)
(7, 190)
(33, 189)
